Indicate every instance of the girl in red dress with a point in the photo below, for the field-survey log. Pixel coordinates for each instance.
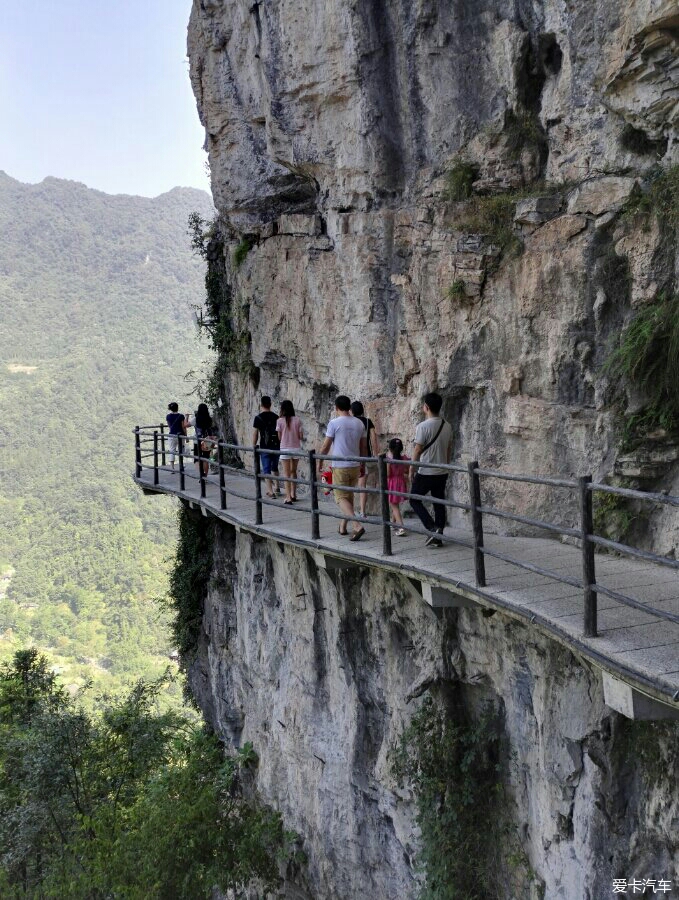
(397, 480)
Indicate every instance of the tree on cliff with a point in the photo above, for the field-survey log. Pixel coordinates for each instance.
(123, 803)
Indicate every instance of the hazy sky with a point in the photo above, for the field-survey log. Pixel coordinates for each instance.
(98, 91)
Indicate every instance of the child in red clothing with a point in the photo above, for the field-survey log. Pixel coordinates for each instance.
(397, 480)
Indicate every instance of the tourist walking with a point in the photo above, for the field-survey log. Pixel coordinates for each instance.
(368, 471)
(290, 435)
(265, 434)
(397, 480)
(433, 445)
(176, 423)
(204, 429)
(347, 437)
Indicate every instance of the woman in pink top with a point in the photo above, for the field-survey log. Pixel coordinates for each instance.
(290, 434)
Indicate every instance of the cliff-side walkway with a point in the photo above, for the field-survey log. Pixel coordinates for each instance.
(635, 647)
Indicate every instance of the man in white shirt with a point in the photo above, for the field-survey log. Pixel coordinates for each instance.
(347, 437)
(433, 444)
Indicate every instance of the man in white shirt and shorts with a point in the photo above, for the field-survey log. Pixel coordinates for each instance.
(347, 437)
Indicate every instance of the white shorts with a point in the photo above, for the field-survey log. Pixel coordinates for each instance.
(173, 445)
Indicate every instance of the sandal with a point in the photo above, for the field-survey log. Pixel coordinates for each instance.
(357, 535)
(287, 503)
(339, 531)
(401, 532)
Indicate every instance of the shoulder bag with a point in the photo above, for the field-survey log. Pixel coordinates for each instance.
(434, 439)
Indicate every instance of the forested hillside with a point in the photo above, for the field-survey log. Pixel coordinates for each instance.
(95, 303)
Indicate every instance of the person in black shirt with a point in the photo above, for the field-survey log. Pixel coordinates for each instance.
(368, 470)
(264, 432)
(176, 422)
(205, 431)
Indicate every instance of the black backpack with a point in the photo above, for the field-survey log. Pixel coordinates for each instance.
(268, 436)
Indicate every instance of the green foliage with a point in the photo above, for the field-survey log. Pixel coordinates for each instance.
(457, 290)
(648, 352)
(459, 180)
(244, 247)
(638, 426)
(226, 323)
(493, 215)
(201, 231)
(660, 197)
(523, 132)
(613, 516)
(97, 337)
(189, 579)
(648, 751)
(453, 768)
(648, 358)
(126, 802)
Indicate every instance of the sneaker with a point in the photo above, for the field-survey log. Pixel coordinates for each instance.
(401, 532)
(434, 540)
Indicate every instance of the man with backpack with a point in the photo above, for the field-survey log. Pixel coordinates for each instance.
(264, 432)
(433, 444)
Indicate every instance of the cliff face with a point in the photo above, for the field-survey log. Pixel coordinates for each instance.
(322, 673)
(330, 129)
(433, 194)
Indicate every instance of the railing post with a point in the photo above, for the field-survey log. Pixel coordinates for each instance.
(588, 573)
(222, 480)
(162, 444)
(258, 488)
(384, 504)
(313, 493)
(182, 477)
(137, 451)
(155, 457)
(201, 472)
(477, 523)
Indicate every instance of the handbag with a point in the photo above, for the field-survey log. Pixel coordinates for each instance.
(326, 479)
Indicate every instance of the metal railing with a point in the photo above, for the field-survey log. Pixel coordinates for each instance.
(151, 443)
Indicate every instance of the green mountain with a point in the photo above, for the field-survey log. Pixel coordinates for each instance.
(97, 335)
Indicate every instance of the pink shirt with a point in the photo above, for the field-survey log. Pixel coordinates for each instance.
(290, 435)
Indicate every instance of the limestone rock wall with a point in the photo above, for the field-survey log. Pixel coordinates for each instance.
(323, 672)
(330, 127)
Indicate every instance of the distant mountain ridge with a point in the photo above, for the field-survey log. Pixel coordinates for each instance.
(200, 199)
(95, 306)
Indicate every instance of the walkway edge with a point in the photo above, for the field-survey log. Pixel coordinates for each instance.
(656, 688)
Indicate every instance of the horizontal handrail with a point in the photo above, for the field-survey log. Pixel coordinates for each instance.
(535, 523)
(646, 555)
(152, 444)
(528, 479)
(537, 570)
(636, 604)
(631, 494)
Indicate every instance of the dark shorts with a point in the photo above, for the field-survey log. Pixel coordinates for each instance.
(268, 463)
